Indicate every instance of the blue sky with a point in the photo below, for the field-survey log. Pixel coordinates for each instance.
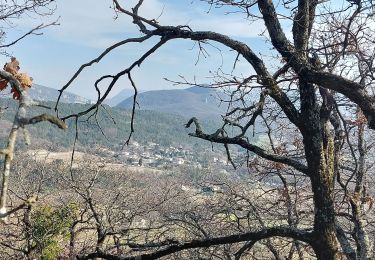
(87, 27)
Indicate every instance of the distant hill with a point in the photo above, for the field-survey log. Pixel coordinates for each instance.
(42, 93)
(195, 101)
(124, 94)
(150, 126)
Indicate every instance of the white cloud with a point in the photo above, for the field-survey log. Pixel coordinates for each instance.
(90, 23)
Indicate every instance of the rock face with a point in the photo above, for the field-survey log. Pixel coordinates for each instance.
(195, 101)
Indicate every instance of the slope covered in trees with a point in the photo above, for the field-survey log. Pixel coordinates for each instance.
(110, 128)
(195, 101)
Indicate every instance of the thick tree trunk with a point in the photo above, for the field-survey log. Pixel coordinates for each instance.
(323, 185)
(322, 180)
(325, 243)
(319, 150)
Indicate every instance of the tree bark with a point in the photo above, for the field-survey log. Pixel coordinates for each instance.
(319, 150)
(325, 243)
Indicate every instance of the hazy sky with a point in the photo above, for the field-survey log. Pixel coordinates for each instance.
(87, 27)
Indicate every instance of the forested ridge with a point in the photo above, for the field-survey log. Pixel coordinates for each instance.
(109, 128)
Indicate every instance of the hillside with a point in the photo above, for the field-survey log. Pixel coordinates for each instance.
(42, 93)
(194, 101)
(121, 96)
(150, 126)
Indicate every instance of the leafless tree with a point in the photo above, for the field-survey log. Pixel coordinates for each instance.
(324, 71)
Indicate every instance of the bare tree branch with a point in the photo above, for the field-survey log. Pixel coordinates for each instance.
(245, 144)
(302, 235)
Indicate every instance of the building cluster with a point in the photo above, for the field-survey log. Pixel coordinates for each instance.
(154, 155)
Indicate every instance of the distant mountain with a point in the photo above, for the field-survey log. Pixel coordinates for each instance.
(195, 101)
(42, 93)
(124, 94)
